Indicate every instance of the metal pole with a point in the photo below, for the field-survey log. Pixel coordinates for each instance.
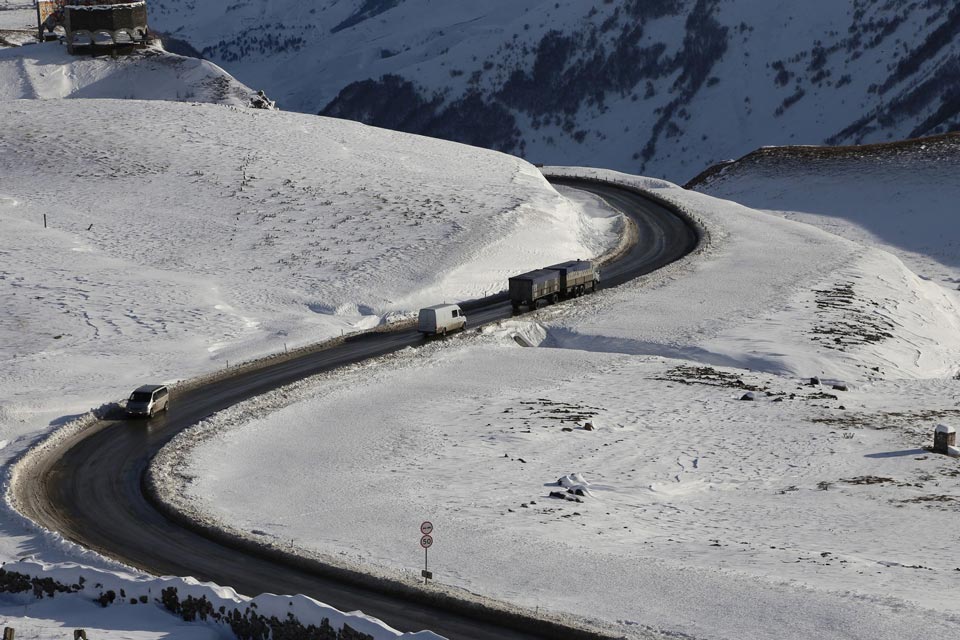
(426, 567)
(39, 24)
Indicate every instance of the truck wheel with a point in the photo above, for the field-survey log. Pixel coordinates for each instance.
(554, 299)
(516, 306)
(443, 332)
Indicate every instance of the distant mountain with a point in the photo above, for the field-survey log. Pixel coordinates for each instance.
(662, 87)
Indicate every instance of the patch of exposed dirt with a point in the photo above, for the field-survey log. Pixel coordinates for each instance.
(887, 419)
(709, 376)
(846, 320)
(936, 501)
(559, 412)
(820, 395)
(867, 480)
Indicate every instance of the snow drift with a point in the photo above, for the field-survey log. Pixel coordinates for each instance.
(46, 72)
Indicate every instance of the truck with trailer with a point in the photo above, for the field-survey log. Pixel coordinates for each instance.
(441, 319)
(576, 277)
(554, 283)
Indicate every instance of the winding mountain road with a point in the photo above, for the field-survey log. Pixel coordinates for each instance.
(90, 487)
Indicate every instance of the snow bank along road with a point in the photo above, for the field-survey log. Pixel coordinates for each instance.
(90, 487)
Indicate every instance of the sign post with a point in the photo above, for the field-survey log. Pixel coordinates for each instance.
(426, 541)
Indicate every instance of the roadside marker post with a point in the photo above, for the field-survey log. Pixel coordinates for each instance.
(426, 541)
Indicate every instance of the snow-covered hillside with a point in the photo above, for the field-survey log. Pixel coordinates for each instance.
(182, 238)
(32, 71)
(46, 71)
(901, 196)
(659, 87)
(805, 511)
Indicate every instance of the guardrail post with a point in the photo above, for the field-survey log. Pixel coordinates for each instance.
(944, 439)
(8, 633)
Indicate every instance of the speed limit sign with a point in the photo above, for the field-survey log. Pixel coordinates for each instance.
(426, 541)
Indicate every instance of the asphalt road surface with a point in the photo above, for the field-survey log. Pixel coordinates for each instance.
(90, 489)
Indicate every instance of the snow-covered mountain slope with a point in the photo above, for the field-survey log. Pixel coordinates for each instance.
(183, 237)
(900, 196)
(46, 71)
(781, 298)
(659, 87)
(806, 511)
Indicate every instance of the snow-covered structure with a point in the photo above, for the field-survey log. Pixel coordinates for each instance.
(93, 25)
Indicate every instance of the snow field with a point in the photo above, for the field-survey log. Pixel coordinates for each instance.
(808, 512)
(706, 497)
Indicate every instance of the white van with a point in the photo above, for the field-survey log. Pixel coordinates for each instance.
(441, 318)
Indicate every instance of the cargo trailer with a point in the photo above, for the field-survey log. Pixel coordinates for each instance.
(529, 288)
(551, 284)
(576, 277)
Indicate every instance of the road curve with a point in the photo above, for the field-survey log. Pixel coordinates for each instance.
(89, 488)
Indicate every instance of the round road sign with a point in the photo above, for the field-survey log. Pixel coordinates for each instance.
(426, 541)
(426, 528)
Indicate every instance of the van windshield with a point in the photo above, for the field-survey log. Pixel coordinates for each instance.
(139, 396)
